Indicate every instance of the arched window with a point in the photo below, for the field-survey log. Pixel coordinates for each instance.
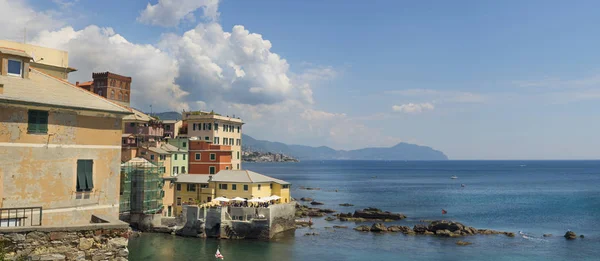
(120, 96)
(112, 94)
(126, 97)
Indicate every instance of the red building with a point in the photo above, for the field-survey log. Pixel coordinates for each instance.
(109, 85)
(206, 158)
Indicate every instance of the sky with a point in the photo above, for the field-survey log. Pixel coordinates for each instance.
(474, 79)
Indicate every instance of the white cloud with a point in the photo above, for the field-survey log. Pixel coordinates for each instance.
(95, 49)
(16, 17)
(310, 114)
(441, 96)
(169, 13)
(413, 107)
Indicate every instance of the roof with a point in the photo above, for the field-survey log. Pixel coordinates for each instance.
(170, 148)
(192, 178)
(170, 121)
(244, 176)
(137, 116)
(45, 90)
(158, 150)
(88, 83)
(126, 135)
(138, 162)
(12, 51)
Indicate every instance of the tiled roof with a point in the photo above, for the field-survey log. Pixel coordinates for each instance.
(85, 83)
(170, 148)
(192, 178)
(244, 176)
(45, 90)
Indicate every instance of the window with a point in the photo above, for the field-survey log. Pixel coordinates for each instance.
(194, 126)
(37, 121)
(168, 127)
(162, 157)
(85, 180)
(178, 201)
(233, 186)
(183, 156)
(203, 126)
(286, 186)
(224, 141)
(112, 94)
(151, 156)
(15, 67)
(197, 156)
(178, 187)
(184, 144)
(211, 170)
(175, 170)
(163, 169)
(213, 157)
(245, 187)
(191, 187)
(206, 138)
(132, 124)
(183, 169)
(238, 155)
(209, 126)
(271, 186)
(216, 127)
(238, 129)
(230, 141)
(223, 186)
(175, 156)
(258, 186)
(226, 167)
(216, 140)
(203, 185)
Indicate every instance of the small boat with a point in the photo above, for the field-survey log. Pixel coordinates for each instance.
(454, 177)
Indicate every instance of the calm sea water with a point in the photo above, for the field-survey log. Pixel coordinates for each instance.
(535, 197)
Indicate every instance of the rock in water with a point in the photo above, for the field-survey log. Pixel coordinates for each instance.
(317, 203)
(378, 227)
(306, 199)
(581, 236)
(547, 235)
(346, 205)
(329, 219)
(363, 228)
(374, 213)
(570, 235)
(463, 243)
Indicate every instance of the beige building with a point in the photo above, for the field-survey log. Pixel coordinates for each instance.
(60, 146)
(221, 130)
(49, 61)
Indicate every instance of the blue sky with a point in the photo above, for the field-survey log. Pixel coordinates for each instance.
(474, 79)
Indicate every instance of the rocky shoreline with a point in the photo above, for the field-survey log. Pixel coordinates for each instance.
(442, 228)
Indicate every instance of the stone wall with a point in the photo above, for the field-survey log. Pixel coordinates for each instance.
(282, 218)
(103, 241)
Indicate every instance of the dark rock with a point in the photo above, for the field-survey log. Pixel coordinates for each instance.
(312, 234)
(346, 205)
(581, 236)
(326, 210)
(306, 199)
(445, 225)
(463, 243)
(378, 227)
(317, 203)
(445, 233)
(340, 226)
(570, 235)
(374, 213)
(315, 214)
(329, 218)
(509, 234)
(547, 235)
(394, 228)
(419, 229)
(363, 228)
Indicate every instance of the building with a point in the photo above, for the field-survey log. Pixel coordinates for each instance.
(161, 157)
(141, 187)
(221, 130)
(60, 145)
(199, 189)
(143, 126)
(109, 85)
(179, 158)
(207, 158)
(172, 128)
(46, 60)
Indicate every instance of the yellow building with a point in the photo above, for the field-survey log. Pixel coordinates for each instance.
(59, 146)
(221, 130)
(49, 61)
(199, 189)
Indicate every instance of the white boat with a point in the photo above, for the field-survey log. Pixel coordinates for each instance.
(454, 177)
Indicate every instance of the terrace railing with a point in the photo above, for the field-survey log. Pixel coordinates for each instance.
(20, 217)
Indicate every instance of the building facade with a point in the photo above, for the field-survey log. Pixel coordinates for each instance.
(112, 86)
(199, 189)
(206, 158)
(172, 128)
(59, 146)
(220, 130)
(46, 60)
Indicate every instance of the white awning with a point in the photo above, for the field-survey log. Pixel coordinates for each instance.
(238, 199)
(222, 199)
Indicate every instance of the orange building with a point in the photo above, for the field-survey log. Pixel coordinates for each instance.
(206, 158)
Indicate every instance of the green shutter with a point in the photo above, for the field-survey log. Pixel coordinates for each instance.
(89, 174)
(42, 121)
(81, 175)
(32, 121)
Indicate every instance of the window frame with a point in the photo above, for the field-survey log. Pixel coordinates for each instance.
(87, 174)
(233, 186)
(213, 157)
(245, 187)
(212, 170)
(178, 201)
(223, 186)
(198, 156)
(37, 121)
(178, 186)
(193, 187)
(21, 67)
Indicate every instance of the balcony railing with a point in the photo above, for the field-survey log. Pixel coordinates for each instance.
(20, 217)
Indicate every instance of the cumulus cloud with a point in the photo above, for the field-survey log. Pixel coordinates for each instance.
(236, 66)
(169, 13)
(96, 49)
(16, 17)
(413, 107)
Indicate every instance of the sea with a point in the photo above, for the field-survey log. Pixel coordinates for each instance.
(533, 197)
